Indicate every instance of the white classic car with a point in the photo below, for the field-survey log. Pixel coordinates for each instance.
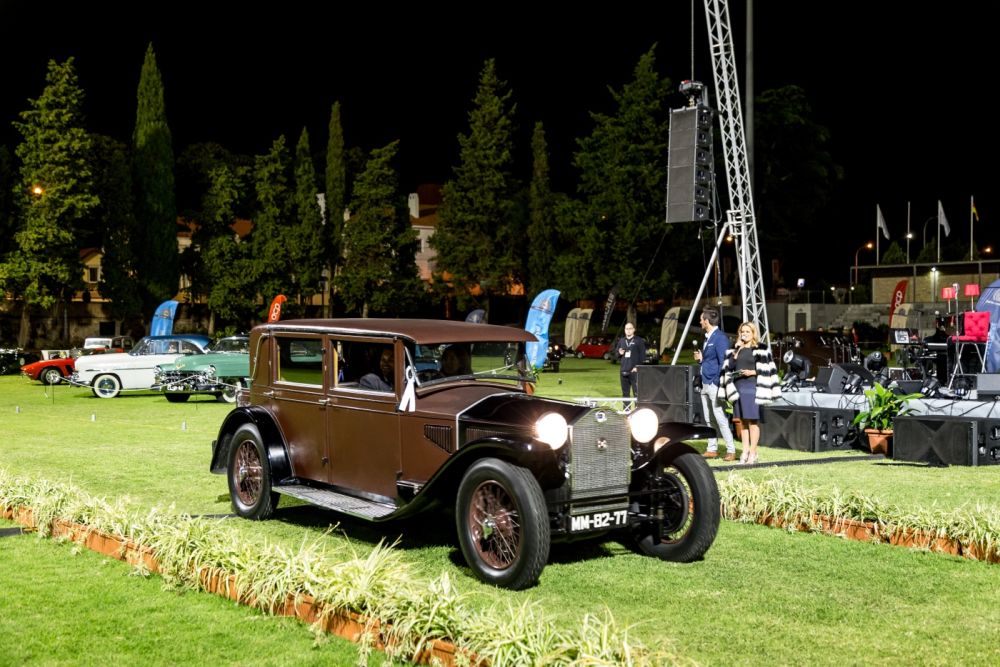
(109, 374)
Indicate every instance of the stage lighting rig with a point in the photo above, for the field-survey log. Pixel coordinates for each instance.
(852, 385)
(798, 369)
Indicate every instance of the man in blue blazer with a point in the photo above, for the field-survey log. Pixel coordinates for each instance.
(711, 358)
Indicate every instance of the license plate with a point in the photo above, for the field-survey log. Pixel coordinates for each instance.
(598, 520)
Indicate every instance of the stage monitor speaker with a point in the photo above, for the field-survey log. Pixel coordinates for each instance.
(988, 385)
(831, 379)
(669, 391)
(690, 165)
(936, 440)
(808, 428)
(790, 427)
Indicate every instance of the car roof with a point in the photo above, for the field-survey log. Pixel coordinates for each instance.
(419, 331)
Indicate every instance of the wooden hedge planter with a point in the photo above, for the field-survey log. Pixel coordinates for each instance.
(348, 625)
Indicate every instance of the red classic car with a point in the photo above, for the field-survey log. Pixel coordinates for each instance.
(51, 371)
(594, 347)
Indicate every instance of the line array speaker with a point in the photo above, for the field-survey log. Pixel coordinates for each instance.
(690, 165)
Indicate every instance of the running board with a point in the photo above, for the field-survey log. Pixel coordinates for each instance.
(359, 507)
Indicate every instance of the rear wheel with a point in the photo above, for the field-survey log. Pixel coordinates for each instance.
(678, 519)
(107, 386)
(50, 376)
(503, 526)
(230, 390)
(250, 476)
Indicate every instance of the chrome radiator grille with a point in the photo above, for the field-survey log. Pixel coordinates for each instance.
(600, 458)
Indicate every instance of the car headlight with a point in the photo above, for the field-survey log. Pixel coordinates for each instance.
(552, 429)
(644, 424)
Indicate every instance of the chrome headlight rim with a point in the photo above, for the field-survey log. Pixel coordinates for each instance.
(643, 425)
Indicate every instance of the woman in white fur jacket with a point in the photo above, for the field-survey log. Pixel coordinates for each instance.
(750, 378)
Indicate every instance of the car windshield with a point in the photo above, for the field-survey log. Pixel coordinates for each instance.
(232, 346)
(500, 361)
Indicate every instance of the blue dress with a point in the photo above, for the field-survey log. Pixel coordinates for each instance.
(746, 406)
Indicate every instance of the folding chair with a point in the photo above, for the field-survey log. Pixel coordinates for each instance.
(973, 329)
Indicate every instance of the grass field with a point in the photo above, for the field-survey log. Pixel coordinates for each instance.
(761, 595)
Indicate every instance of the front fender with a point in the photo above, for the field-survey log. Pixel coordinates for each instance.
(270, 435)
(671, 437)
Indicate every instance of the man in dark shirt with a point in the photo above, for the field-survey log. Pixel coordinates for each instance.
(632, 352)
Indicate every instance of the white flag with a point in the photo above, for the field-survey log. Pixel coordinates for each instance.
(880, 221)
(942, 220)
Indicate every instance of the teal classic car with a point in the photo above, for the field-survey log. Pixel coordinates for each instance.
(222, 372)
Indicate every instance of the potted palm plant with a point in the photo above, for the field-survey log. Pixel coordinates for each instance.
(884, 405)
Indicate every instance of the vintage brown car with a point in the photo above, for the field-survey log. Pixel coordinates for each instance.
(380, 419)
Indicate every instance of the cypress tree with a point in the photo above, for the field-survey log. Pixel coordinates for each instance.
(272, 222)
(336, 201)
(153, 181)
(55, 193)
(306, 252)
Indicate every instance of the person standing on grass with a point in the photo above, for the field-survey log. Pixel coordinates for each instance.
(632, 352)
(750, 378)
(711, 359)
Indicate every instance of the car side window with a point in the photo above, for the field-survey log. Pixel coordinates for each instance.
(300, 361)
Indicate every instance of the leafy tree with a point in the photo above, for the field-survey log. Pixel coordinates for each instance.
(229, 269)
(796, 175)
(336, 201)
(273, 221)
(476, 239)
(8, 217)
(158, 271)
(54, 194)
(306, 252)
(115, 218)
(623, 167)
(894, 254)
(928, 253)
(542, 248)
(379, 244)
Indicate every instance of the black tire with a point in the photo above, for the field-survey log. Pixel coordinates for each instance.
(230, 390)
(174, 397)
(606, 356)
(249, 475)
(106, 386)
(685, 491)
(579, 355)
(50, 376)
(503, 525)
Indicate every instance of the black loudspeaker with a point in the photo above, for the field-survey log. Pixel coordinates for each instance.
(959, 441)
(669, 392)
(808, 428)
(831, 379)
(690, 165)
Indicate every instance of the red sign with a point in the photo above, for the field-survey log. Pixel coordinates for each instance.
(898, 296)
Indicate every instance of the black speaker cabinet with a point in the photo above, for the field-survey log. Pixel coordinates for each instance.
(808, 428)
(669, 391)
(690, 165)
(939, 440)
(831, 379)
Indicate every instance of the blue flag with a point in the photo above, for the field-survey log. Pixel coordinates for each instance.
(539, 317)
(163, 319)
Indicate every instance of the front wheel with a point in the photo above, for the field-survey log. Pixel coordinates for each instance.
(250, 475)
(230, 390)
(678, 516)
(503, 526)
(50, 376)
(107, 386)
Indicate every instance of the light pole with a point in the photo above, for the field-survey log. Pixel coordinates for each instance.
(923, 233)
(909, 236)
(868, 246)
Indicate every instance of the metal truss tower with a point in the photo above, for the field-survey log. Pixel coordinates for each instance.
(740, 216)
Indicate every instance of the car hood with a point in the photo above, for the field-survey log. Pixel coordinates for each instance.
(39, 365)
(484, 403)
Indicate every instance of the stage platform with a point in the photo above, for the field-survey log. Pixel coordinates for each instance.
(937, 407)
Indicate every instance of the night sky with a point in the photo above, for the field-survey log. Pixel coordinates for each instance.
(903, 93)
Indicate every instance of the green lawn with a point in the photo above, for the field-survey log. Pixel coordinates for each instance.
(761, 595)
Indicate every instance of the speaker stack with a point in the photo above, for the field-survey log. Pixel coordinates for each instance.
(690, 165)
(958, 441)
(807, 428)
(669, 391)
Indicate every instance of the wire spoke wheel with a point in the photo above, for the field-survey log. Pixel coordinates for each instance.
(678, 504)
(495, 525)
(248, 473)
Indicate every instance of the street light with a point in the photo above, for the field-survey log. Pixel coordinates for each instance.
(909, 237)
(923, 233)
(868, 246)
